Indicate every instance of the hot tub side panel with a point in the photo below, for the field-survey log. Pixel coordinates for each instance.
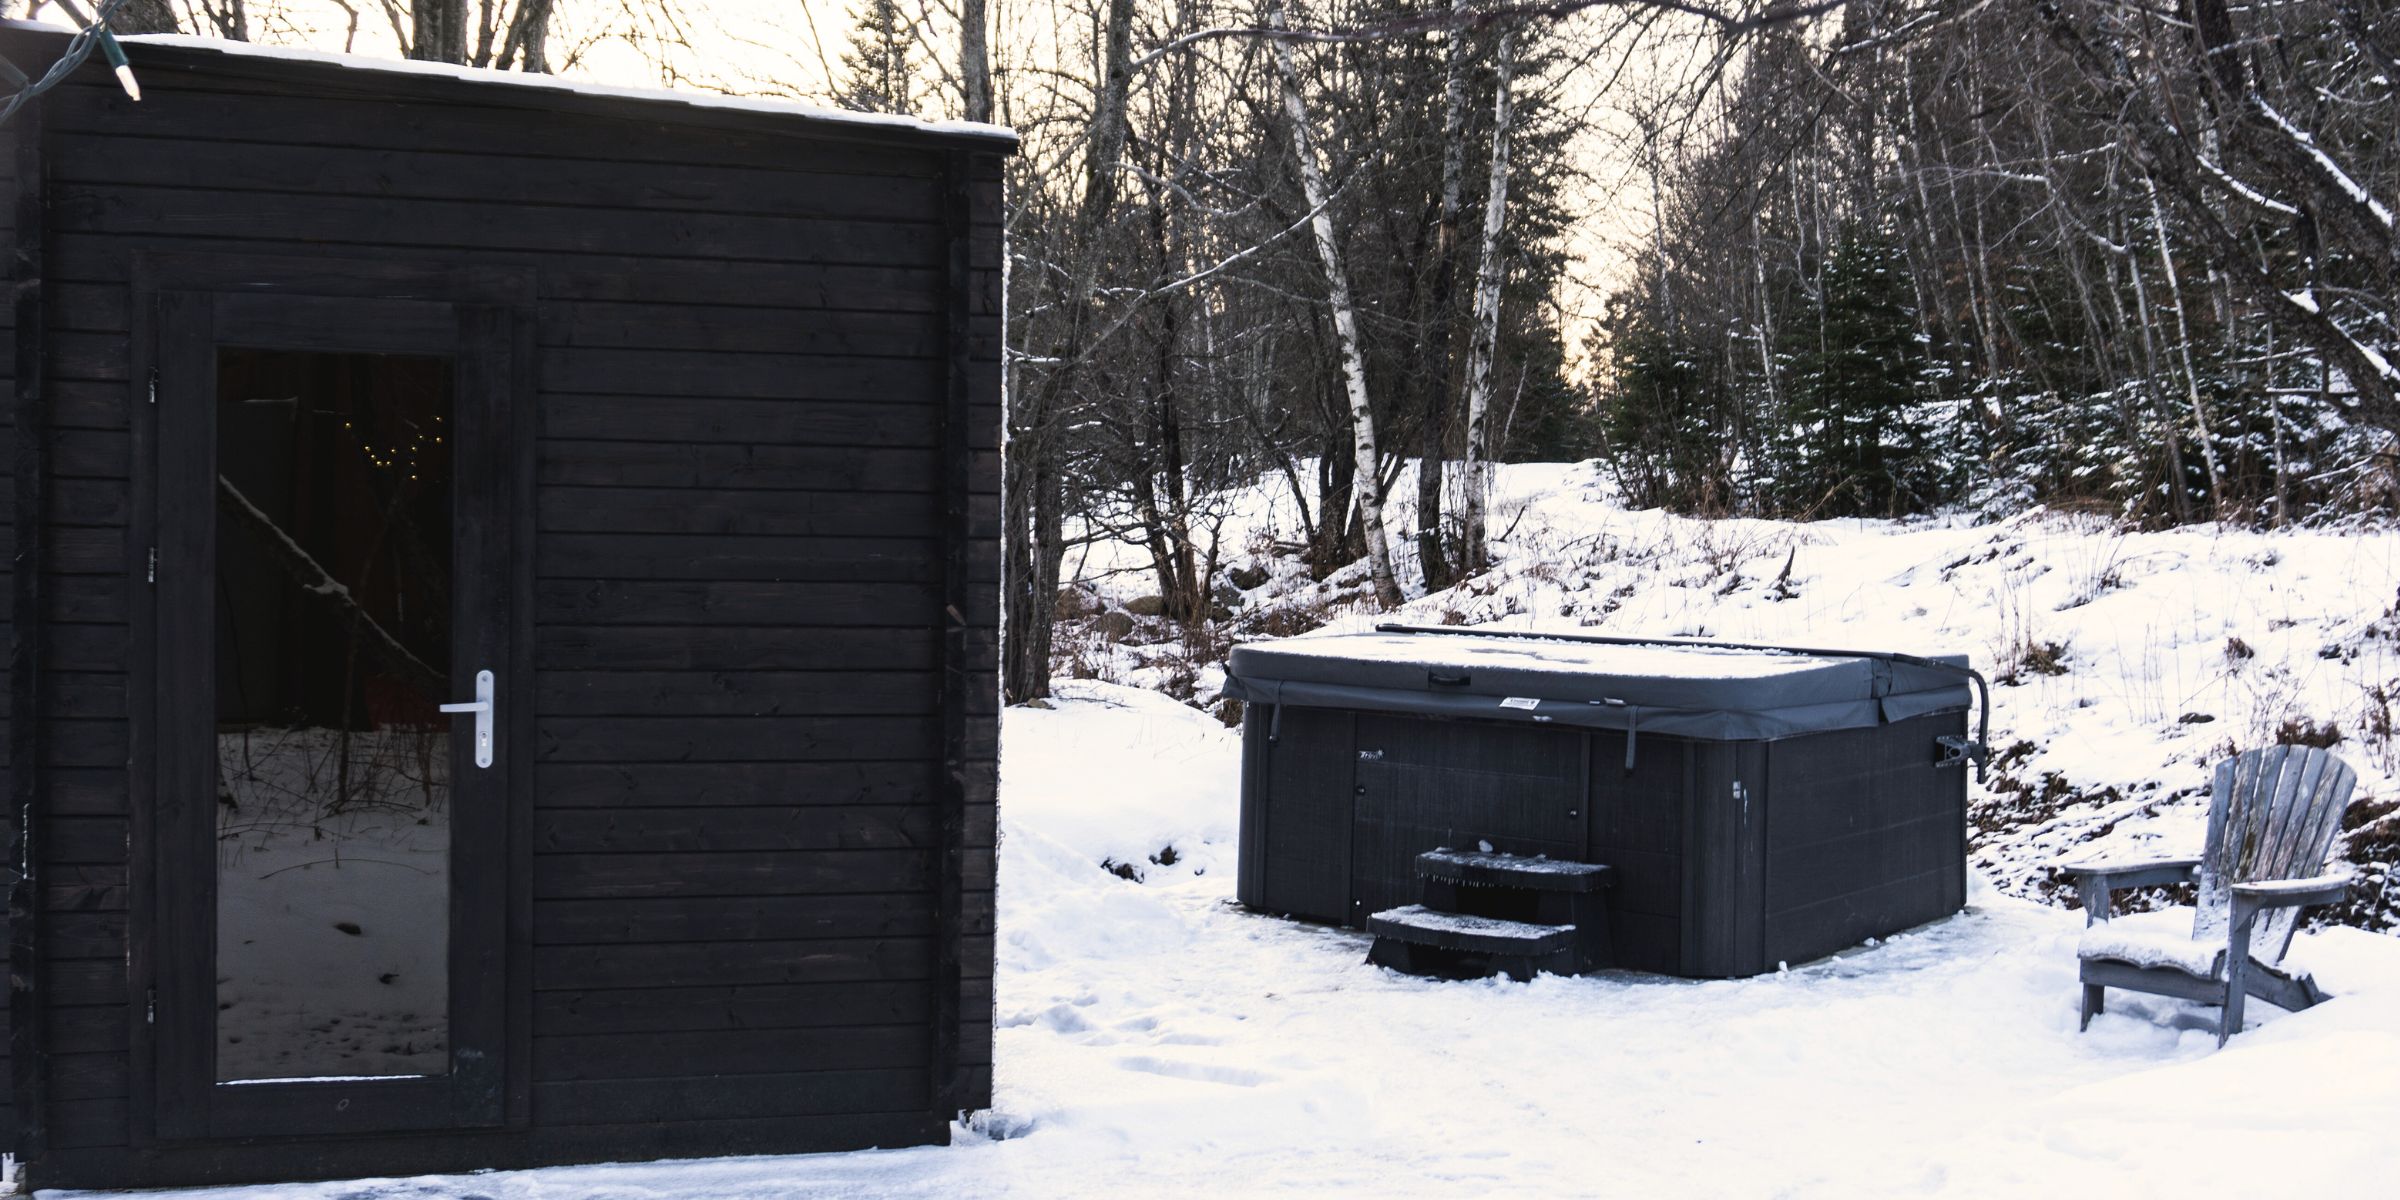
(1250, 867)
(1863, 836)
(1296, 811)
(1637, 825)
(1426, 783)
(1724, 869)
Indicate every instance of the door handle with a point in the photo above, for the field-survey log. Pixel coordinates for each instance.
(482, 706)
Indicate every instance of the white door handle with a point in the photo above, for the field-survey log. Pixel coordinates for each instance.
(482, 707)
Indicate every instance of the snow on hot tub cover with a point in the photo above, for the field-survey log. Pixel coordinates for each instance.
(1720, 694)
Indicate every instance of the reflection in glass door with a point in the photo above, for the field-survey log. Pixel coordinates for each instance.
(333, 600)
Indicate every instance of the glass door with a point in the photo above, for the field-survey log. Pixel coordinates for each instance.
(332, 601)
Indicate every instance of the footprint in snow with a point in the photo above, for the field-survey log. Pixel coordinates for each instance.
(1200, 1072)
(1188, 1039)
(1058, 1018)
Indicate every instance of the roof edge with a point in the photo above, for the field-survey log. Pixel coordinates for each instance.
(529, 88)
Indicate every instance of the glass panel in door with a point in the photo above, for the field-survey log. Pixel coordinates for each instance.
(333, 652)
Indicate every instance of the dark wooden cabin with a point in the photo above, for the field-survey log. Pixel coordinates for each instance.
(340, 384)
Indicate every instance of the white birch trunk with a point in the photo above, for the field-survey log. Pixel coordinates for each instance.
(1486, 341)
(1434, 468)
(1454, 122)
(2183, 348)
(1368, 487)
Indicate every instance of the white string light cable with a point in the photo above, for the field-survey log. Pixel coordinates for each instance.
(92, 34)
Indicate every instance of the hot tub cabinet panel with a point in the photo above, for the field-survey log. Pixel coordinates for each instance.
(1304, 869)
(1425, 782)
(1730, 855)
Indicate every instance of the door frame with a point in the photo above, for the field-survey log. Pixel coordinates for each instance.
(181, 308)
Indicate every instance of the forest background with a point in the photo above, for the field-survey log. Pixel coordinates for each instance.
(1794, 258)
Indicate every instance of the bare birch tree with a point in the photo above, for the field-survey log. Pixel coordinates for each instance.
(1488, 277)
(1368, 484)
(1434, 368)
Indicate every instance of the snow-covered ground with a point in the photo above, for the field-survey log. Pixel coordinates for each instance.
(1154, 1039)
(1153, 1031)
(333, 910)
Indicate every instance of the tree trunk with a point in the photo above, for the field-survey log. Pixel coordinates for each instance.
(1337, 473)
(2183, 350)
(1159, 493)
(311, 576)
(975, 58)
(144, 16)
(438, 31)
(1434, 362)
(528, 41)
(1367, 481)
(2150, 373)
(1033, 493)
(1488, 277)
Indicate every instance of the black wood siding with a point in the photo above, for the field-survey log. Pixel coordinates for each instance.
(14, 165)
(737, 591)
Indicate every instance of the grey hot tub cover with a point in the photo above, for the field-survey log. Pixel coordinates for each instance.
(1719, 693)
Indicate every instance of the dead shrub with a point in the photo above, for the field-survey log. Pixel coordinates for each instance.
(2304, 730)
(2034, 657)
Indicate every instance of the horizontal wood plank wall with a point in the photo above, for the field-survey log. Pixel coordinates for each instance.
(738, 583)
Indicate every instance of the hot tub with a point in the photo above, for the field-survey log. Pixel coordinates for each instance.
(1758, 805)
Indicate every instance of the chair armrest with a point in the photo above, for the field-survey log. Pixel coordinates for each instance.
(2294, 893)
(2251, 899)
(2097, 883)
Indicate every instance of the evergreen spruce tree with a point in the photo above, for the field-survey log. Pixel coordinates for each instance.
(879, 69)
(1668, 424)
(1858, 433)
(1549, 417)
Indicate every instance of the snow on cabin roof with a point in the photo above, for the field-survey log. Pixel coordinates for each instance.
(801, 110)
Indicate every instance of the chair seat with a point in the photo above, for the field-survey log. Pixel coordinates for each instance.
(2155, 939)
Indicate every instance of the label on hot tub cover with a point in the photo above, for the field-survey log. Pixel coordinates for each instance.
(1528, 703)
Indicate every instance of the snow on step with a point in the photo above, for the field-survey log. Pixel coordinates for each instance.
(1459, 931)
(1487, 868)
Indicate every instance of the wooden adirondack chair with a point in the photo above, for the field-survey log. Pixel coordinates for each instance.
(2272, 817)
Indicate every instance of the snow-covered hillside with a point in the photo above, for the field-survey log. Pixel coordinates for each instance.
(2127, 661)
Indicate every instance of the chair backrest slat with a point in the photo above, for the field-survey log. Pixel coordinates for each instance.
(2272, 814)
(2257, 806)
(2331, 800)
(2292, 793)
